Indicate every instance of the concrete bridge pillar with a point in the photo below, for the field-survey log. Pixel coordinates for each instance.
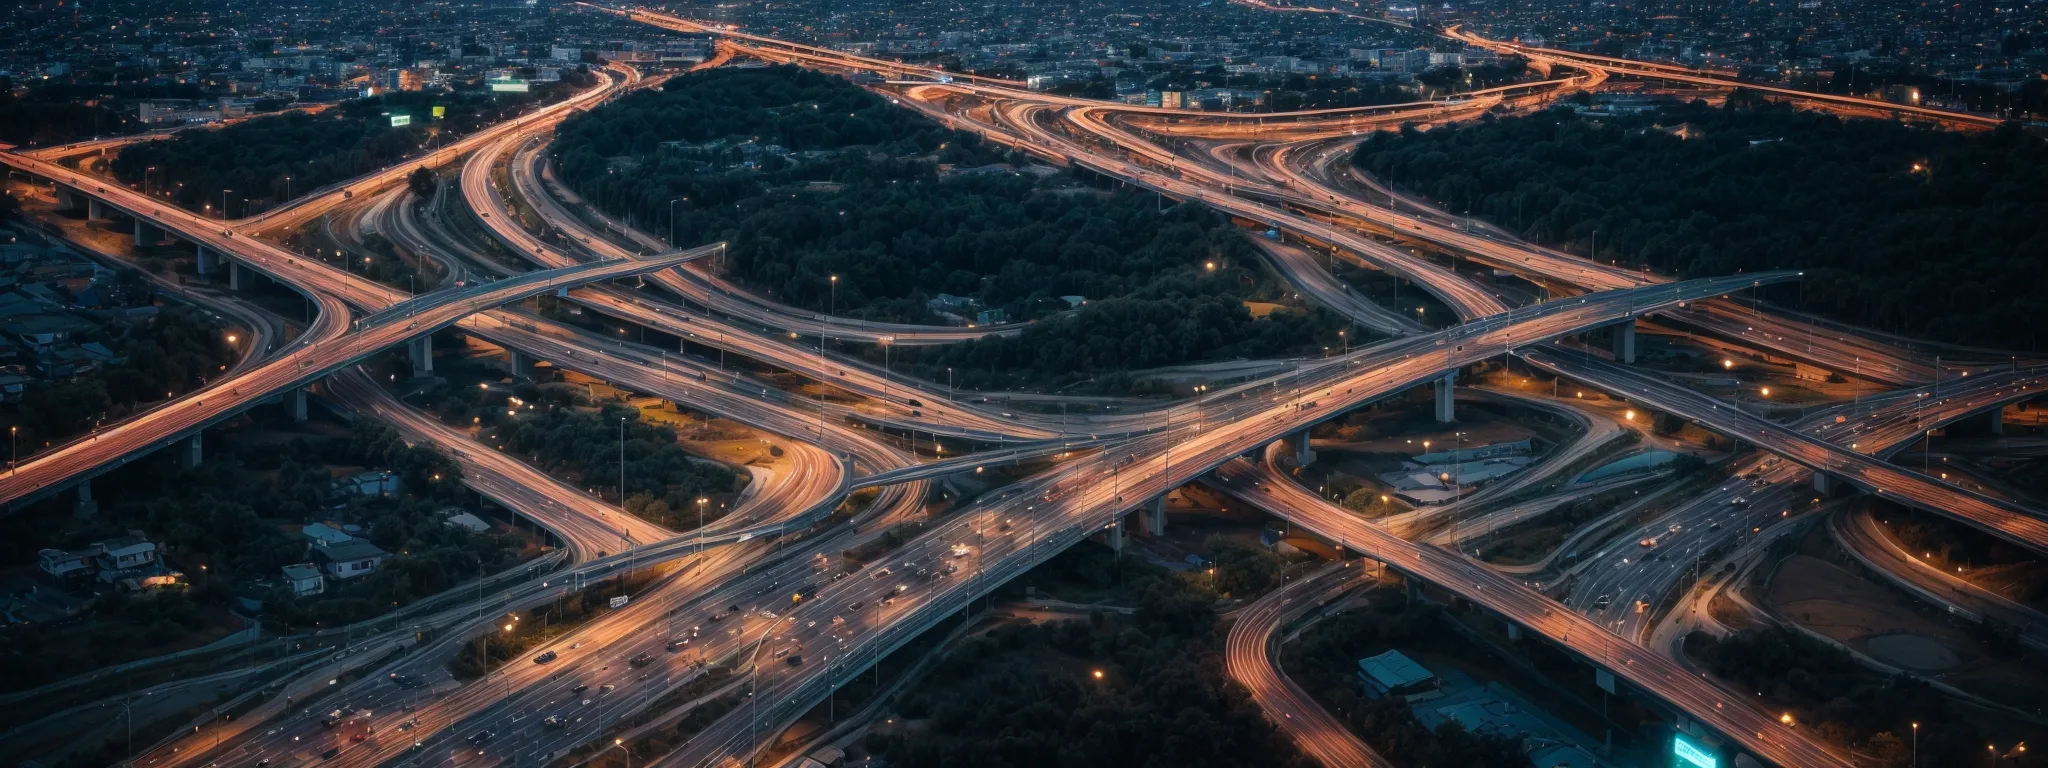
(1303, 455)
(205, 261)
(234, 275)
(66, 199)
(422, 355)
(86, 506)
(298, 403)
(145, 234)
(520, 363)
(1446, 398)
(1998, 421)
(94, 209)
(1625, 341)
(1115, 535)
(1823, 483)
(194, 451)
(1155, 517)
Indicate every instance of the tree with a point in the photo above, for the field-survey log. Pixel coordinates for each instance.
(422, 182)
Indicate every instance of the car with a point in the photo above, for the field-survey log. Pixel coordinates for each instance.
(881, 573)
(578, 690)
(960, 550)
(677, 644)
(480, 738)
(331, 753)
(545, 657)
(1602, 603)
(607, 688)
(857, 605)
(553, 721)
(640, 661)
(795, 660)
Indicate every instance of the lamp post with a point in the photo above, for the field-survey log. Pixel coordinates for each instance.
(672, 223)
(700, 522)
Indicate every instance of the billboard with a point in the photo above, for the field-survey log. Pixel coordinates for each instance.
(1692, 755)
(511, 86)
(398, 120)
(440, 112)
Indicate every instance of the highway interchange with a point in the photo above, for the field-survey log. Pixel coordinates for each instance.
(1112, 463)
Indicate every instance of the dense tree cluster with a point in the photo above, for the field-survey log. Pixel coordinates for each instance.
(557, 432)
(1910, 230)
(45, 114)
(1024, 696)
(807, 176)
(176, 351)
(1827, 691)
(254, 158)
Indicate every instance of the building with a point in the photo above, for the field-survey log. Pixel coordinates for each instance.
(467, 522)
(125, 553)
(349, 559)
(1393, 674)
(304, 579)
(61, 564)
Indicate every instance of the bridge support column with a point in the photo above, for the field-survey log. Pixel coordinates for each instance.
(94, 209)
(1625, 341)
(1446, 398)
(520, 362)
(422, 355)
(204, 261)
(1303, 455)
(1115, 535)
(66, 199)
(1823, 483)
(86, 506)
(1514, 630)
(1414, 586)
(562, 292)
(144, 233)
(234, 275)
(1998, 421)
(194, 451)
(1155, 517)
(298, 403)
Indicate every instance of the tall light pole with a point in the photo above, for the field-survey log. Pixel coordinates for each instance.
(622, 468)
(886, 341)
(700, 522)
(672, 223)
(13, 449)
(223, 205)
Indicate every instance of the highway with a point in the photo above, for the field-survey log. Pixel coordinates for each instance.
(306, 362)
(589, 526)
(1617, 66)
(1857, 464)
(1054, 509)
(1249, 655)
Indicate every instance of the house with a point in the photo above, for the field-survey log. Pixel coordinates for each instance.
(304, 579)
(380, 482)
(349, 559)
(125, 553)
(322, 533)
(61, 564)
